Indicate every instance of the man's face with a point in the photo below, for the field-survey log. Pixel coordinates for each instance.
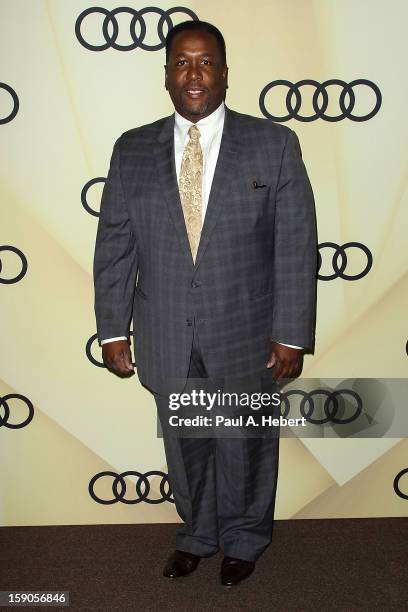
(195, 76)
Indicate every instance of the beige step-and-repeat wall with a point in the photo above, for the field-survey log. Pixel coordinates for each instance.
(74, 75)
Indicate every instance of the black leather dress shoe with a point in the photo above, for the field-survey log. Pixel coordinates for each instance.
(180, 563)
(235, 570)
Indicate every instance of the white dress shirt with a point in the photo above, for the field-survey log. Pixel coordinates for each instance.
(211, 128)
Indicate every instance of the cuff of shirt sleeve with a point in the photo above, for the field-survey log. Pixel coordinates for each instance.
(290, 345)
(113, 339)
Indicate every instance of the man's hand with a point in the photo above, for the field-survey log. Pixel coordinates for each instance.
(286, 362)
(117, 357)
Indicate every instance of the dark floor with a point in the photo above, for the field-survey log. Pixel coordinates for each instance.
(316, 565)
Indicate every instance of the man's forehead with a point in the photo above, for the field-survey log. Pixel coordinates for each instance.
(192, 38)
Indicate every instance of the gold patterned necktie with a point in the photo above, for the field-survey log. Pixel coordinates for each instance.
(190, 187)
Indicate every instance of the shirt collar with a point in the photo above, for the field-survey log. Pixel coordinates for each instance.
(207, 126)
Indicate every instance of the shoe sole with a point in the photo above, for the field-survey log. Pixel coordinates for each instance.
(174, 578)
(230, 586)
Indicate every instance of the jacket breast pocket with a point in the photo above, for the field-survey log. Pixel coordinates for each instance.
(244, 195)
(249, 209)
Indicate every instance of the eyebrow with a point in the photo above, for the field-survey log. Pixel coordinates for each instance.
(186, 53)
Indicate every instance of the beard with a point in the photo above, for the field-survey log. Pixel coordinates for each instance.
(196, 110)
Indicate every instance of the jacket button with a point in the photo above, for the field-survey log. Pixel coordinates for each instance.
(195, 284)
(189, 322)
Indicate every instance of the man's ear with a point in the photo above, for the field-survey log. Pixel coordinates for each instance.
(225, 75)
(165, 76)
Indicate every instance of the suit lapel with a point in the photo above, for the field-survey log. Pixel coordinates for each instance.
(226, 168)
(164, 153)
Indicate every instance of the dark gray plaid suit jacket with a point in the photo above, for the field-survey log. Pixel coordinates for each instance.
(255, 272)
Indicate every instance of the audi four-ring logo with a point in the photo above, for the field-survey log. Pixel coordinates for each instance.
(5, 410)
(16, 104)
(396, 484)
(24, 265)
(142, 488)
(339, 261)
(320, 100)
(84, 193)
(88, 351)
(110, 27)
(330, 406)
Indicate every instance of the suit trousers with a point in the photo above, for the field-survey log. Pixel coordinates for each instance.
(224, 488)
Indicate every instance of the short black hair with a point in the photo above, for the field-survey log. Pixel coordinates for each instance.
(196, 25)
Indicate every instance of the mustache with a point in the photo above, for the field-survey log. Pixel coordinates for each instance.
(192, 86)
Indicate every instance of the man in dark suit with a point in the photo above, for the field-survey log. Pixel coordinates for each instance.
(207, 239)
